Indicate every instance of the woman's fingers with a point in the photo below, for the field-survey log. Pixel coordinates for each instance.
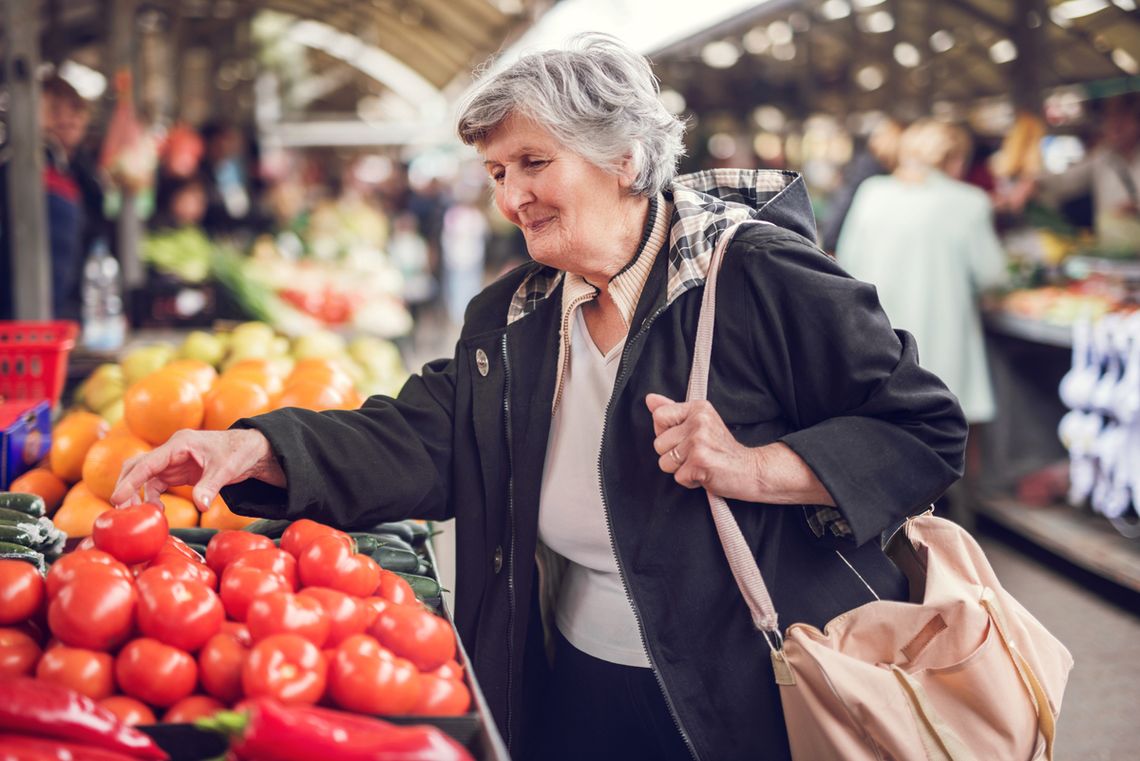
(666, 413)
(138, 471)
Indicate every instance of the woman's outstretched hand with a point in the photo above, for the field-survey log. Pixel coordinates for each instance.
(206, 460)
(696, 447)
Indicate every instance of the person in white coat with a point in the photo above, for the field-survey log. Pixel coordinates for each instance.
(926, 240)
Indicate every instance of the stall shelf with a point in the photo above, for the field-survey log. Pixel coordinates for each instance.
(1027, 359)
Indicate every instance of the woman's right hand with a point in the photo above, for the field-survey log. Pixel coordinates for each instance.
(207, 460)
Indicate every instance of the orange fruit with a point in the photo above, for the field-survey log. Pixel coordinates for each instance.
(43, 482)
(260, 371)
(196, 371)
(119, 428)
(105, 461)
(70, 440)
(232, 399)
(326, 371)
(310, 395)
(182, 490)
(180, 512)
(161, 404)
(220, 516)
(80, 491)
(77, 514)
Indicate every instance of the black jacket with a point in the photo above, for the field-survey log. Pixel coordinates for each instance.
(802, 353)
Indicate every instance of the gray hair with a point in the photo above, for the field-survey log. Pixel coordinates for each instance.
(598, 98)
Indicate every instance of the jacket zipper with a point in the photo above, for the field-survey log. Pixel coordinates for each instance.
(645, 325)
(564, 347)
(511, 518)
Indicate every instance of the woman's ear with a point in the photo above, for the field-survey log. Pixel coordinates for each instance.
(627, 172)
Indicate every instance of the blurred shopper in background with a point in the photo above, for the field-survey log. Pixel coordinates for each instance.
(463, 241)
(1111, 170)
(879, 156)
(64, 118)
(409, 253)
(229, 206)
(926, 241)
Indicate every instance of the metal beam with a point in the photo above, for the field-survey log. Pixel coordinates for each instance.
(28, 237)
(121, 57)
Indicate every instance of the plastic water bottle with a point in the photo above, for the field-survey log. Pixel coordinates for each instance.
(104, 326)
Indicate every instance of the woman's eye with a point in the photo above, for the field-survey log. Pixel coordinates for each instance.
(536, 163)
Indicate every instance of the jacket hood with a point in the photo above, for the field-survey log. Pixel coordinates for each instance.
(706, 203)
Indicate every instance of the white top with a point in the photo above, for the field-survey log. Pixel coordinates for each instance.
(929, 248)
(1107, 175)
(593, 613)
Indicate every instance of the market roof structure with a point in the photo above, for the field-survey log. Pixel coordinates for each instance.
(847, 56)
(438, 39)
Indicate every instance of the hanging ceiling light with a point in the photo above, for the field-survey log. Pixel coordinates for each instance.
(1074, 9)
(722, 146)
(769, 118)
(870, 78)
(784, 52)
(833, 10)
(1003, 51)
(756, 40)
(907, 55)
(941, 41)
(780, 32)
(877, 22)
(1125, 61)
(673, 101)
(720, 54)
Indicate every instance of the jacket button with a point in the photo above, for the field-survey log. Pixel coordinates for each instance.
(497, 561)
(481, 362)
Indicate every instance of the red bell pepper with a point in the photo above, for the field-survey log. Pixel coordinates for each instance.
(31, 707)
(271, 731)
(26, 748)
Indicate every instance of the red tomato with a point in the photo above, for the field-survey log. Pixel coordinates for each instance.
(133, 534)
(366, 679)
(347, 615)
(64, 570)
(442, 697)
(21, 591)
(394, 588)
(154, 672)
(19, 653)
(220, 663)
(183, 614)
(240, 585)
(179, 548)
(238, 631)
(189, 710)
(271, 559)
(301, 533)
(179, 567)
(450, 670)
(96, 611)
(372, 607)
(85, 671)
(225, 546)
(329, 561)
(130, 711)
(285, 612)
(286, 667)
(415, 633)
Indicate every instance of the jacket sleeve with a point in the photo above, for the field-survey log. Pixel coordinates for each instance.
(388, 460)
(883, 435)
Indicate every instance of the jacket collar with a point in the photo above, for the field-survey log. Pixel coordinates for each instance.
(705, 204)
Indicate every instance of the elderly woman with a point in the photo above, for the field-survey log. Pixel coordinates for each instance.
(556, 438)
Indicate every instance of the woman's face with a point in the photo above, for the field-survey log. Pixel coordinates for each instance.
(566, 206)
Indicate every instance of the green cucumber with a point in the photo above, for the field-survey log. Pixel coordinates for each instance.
(194, 534)
(402, 529)
(199, 548)
(366, 544)
(269, 527)
(9, 551)
(21, 534)
(8, 515)
(396, 559)
(425, 588)
(28, 504)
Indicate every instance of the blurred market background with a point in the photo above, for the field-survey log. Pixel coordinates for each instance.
(273, 189)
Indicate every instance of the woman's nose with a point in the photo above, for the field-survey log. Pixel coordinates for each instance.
(515, 194)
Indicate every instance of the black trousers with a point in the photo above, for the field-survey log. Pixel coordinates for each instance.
(599, 710)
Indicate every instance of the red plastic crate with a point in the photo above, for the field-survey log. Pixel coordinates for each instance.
(33, 358)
